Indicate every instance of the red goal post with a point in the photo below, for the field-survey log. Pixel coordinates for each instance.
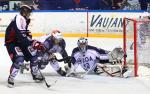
(136, 42)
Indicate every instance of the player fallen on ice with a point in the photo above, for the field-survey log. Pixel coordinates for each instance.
(18, 41)
(90, 58)
(54, 43)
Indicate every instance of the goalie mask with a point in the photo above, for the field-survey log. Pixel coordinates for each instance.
(57, 36)
(82, 43)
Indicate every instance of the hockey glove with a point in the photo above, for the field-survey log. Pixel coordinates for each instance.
(38, 45)
(29, 35)
(67, 60)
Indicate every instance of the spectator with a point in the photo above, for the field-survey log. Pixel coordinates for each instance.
(4, 5)
(81, 4)
(16, 6)
(105, 4)
(50, 4)
(90, 4)
(144, 4)
(120, 4)
(68, 4)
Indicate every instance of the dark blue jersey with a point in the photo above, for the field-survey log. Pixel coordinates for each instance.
(17, 32)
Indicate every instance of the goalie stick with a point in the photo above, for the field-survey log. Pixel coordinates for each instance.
(83, 75)
(102, 67)
(77, 76)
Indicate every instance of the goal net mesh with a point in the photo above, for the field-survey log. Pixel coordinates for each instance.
(136, 34)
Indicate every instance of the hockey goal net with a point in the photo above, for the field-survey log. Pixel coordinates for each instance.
(136, 33)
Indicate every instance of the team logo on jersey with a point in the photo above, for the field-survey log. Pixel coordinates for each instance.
(84, 59)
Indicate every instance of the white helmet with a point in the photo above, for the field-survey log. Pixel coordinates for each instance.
(82, 43)
(56, 34)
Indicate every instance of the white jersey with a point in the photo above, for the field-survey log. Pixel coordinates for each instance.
(54, 48)
(89, 59)
(21, 23)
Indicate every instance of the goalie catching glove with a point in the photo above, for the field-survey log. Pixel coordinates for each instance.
(116, 55)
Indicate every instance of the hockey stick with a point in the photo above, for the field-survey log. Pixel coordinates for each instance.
(83, 75)
(63, 59)
(68, 59)
(48, 85)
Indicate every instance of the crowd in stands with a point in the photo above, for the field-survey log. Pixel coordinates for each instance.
(144, 4)
(79, 4)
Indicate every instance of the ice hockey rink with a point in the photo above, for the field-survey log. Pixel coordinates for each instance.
(91, 84)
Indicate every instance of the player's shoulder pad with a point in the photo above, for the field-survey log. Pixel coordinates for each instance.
(76, 49)
(93, 48)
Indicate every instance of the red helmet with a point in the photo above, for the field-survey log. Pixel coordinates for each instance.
(56, 34)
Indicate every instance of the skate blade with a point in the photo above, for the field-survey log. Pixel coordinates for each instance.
(10, 85)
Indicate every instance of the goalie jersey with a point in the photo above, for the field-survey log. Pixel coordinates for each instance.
(90, 58)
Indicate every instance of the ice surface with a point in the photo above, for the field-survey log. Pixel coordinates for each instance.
(91, 84)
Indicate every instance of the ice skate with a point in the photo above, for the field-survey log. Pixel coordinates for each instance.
(61, 72)
(10, 82)
(37, 77)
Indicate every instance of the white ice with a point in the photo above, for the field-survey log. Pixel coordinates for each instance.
(91, 84)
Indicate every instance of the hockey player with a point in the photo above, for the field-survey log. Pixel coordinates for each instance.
(89, 57)
(54, 43)
(18, 41)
